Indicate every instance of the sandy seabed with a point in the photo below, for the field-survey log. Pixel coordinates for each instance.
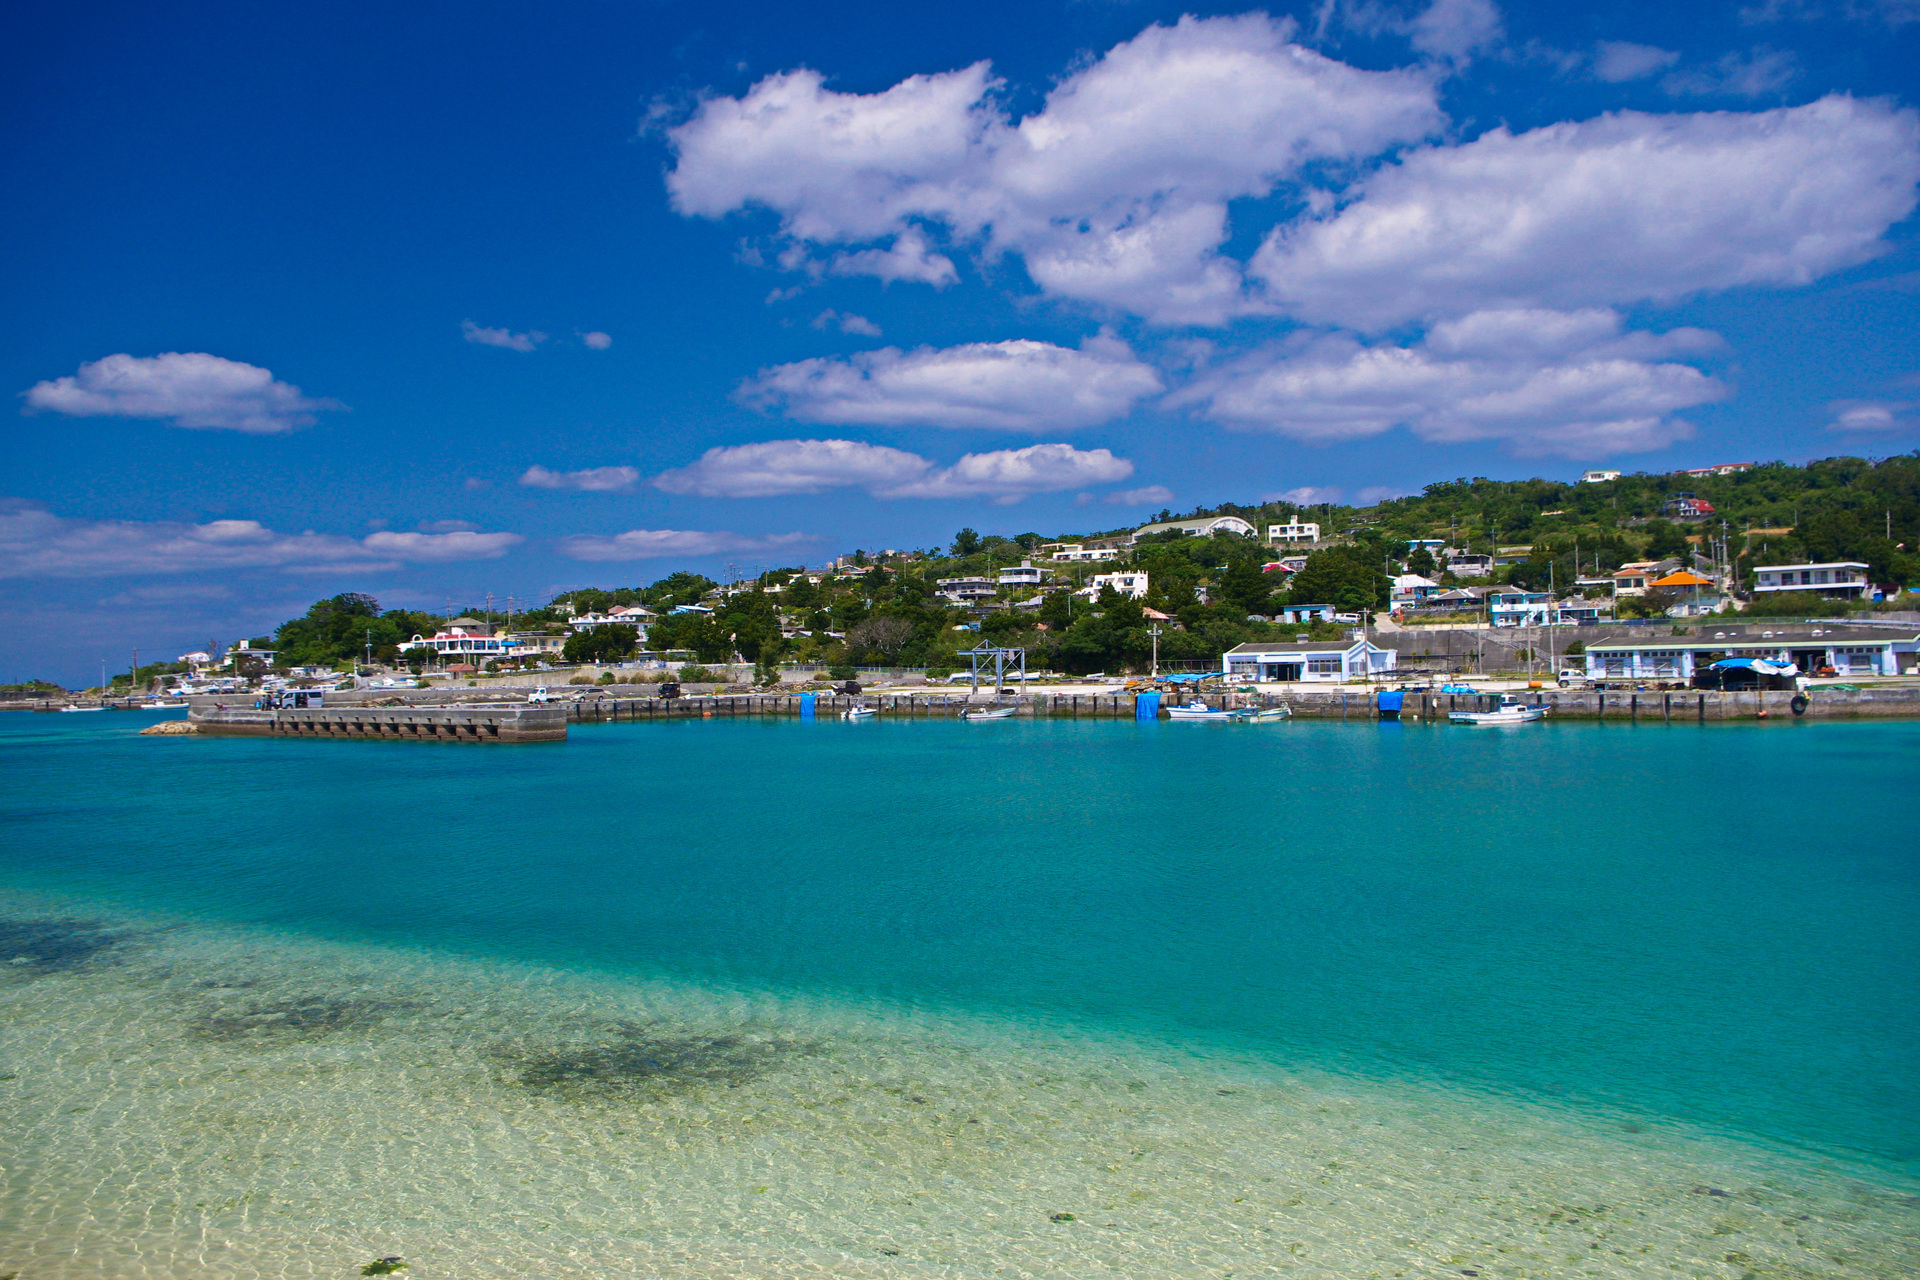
(183, 1100)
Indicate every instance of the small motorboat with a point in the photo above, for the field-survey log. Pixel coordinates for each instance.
(71, 707)
(1201, 711)
(857, 713)
(1510, 711)
(988, 713)
(1265, 715)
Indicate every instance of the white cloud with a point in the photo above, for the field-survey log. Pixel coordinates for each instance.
(656, 544)
(1894, 13)
(1618, 61)
(1873, 416)
(1153, 493)
(1307, 495)
(590, 480)
(1455, 28)
(503, 337)
(1382, 492)
(1750, 75)
(846, 322)
(1115, 192)
(442, 526)
(793, 466)
(596, 340)
(36, 543)
(1624, 208)
(778, 467)
(189, 389)
(1007, 475)
(1003, 386)
(437, 548)
(1582, 389)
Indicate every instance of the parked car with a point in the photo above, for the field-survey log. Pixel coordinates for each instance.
(1574, 677)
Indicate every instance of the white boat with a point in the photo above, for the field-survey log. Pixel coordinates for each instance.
(993, 713)
(1266, 715)
(1510, 711)
(857, 713)
(162, 706)
(71, 707)
(1200, 711)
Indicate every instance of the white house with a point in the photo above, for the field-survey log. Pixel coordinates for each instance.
(465, 639)
(1024, 574)
(631, 616)
(1836, 580)
(1293, 531)
(967, 590)
(1128, 582)
(1326, 661)
(1077, 553)
(1598, 477)
(1465, 564)
(1411, 588)
(1204, 528)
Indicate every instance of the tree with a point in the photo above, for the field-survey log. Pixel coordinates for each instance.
(880, 635)
(1420, 561)
(1346, 577)
(611, 643)
(966, 543)
(1665, 539)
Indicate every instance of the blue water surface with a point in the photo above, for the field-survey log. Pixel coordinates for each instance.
(1715, 924)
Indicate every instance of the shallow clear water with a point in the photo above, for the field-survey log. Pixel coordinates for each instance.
(769, 998)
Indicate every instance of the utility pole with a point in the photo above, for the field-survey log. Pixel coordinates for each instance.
(1154, 631)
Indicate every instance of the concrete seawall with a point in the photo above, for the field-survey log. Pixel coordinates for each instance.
(547, 722)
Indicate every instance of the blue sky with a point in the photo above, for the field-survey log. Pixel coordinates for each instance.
(432, 301)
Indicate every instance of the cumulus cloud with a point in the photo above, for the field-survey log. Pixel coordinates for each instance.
(1147, 497)
(778, 467)
(1624, 208)
(1618, 61)
(1572, 385)
(505, 338)
(1020, 385)
(36, 543)
(1455, 28)
(1307, 495)
(1114, 193)
(1748, 75)
(590, 480)
(656, 544)
(189, 389)
(438, 548)
(596, 340)
(793, 466)
(846, 322)
(1007, 475)
(1872, 416)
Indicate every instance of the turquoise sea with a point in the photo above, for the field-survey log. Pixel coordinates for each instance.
(765, 998)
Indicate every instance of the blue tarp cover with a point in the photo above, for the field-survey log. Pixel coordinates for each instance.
(1392, 701)
(1146, 706)
(1192, 679)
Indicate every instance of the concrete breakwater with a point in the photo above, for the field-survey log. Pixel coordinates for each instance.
(499, 724)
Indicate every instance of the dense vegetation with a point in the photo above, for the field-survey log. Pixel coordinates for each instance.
(1214, 592)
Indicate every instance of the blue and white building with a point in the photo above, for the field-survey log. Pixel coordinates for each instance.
(1308, 661)
(1644, 654)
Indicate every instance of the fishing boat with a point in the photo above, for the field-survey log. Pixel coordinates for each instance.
(1266, 715)
(1510, 711)
(1200, 711)
(71, 707)
(857, 713)
(988, 713)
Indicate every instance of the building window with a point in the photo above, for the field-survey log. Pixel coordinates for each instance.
(1323, 666)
